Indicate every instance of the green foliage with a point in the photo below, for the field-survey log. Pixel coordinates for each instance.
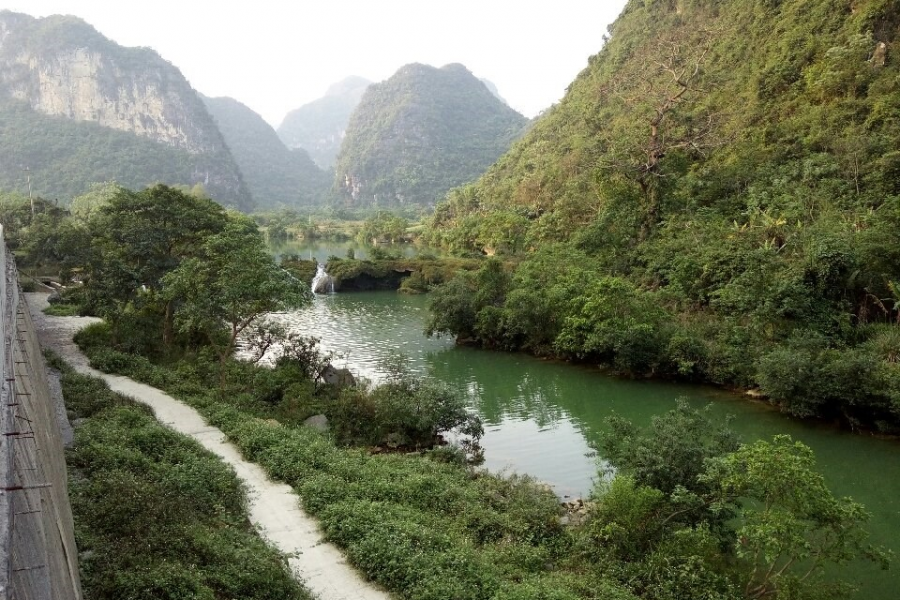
(691, 514)
(384, 226)
(155, 514)
(231, 283)
(719, 182)
(613, 322)
(420, 133)
(404, 411)
(275, 175)
(304, 270)
(137, 238)
(672, 452)
(98, 196)
(792, 525)
(388, 272)
(469, 305)
(809, 377)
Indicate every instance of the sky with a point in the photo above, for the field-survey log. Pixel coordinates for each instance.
(276, 55)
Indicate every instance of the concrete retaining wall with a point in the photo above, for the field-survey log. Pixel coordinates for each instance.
(38, 558)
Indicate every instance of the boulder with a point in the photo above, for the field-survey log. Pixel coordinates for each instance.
(317, 422)
(338, 377)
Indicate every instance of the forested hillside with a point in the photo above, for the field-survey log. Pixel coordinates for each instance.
(716, 198)
(276, 175)
(420, 133)
(318, 127)
(76, 108)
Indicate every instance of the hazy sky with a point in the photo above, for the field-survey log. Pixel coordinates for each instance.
(275, 56)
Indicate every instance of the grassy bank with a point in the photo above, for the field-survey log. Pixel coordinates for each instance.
(156, 515)
(687, 517)
(422, 526)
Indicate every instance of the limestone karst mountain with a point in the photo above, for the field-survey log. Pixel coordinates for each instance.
(420, 133)
(76, 107)
(276, 175)
(318, 127)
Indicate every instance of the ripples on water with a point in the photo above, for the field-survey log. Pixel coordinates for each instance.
(543, 418)
(522, 437)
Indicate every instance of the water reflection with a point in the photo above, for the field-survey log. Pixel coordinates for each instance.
(545, 419)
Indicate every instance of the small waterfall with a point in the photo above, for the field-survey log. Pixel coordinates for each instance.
(322, 283)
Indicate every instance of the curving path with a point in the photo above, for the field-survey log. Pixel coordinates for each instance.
(274, 507)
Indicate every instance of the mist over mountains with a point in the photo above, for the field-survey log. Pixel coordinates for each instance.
(77, 108)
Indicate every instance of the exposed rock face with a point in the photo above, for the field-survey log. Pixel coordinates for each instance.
(318, 422)
(69, 85)
(60, 66)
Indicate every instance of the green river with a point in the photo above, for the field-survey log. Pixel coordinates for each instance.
(545, 418)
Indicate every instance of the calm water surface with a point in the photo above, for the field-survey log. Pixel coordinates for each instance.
(545, 418)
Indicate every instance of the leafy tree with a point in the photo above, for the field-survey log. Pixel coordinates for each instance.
(229, 286)
(98, 196)
(613, 322)
(470, 306)
(749, 521)
(672, 452)
(452, 308)
(383, 226)
(791, 525)
(405, 411)
(139, 237)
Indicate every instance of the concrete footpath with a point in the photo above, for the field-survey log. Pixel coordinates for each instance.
(274, 507)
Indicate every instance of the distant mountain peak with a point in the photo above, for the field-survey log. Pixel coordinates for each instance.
(348, 85)
(318, 126)
(421, 132)
(276, 175)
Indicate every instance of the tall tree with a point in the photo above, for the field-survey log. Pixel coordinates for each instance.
(230, 285)
(138, 237)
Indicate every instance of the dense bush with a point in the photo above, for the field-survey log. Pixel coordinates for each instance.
(753, 196)
(155, 514)
(404, 411)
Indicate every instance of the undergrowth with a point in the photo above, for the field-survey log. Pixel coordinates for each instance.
(156, 515)
(421, 526)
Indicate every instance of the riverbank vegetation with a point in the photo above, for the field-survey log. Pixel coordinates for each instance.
(369, 225)
(384, 271)
(155, 514)
(714, 203)
(727, 522)
(691, 512)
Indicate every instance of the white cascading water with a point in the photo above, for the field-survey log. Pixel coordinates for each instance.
(322, 283)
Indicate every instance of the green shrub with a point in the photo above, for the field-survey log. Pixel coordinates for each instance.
(405, 411)
(156, 515)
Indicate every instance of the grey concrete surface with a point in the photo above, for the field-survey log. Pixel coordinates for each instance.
(38, 557)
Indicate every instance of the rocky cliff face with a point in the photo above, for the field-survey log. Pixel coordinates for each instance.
(62, 67)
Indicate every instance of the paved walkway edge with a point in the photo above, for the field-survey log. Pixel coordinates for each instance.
(274, 507)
